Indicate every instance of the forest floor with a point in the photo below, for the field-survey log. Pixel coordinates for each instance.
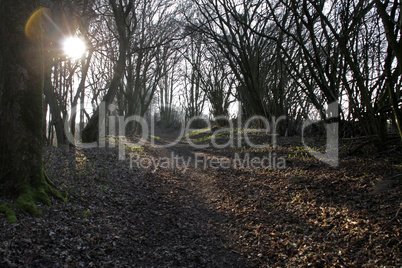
(211, 208)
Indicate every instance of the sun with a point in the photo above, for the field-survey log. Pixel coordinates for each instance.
(74, 47)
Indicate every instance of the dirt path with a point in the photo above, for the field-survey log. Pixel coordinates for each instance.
(193, 193)
(118, 216)
(193, 186)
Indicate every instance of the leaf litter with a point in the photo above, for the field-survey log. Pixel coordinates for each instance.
(304, 215)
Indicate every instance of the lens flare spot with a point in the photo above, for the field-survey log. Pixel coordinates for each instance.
(74, 47)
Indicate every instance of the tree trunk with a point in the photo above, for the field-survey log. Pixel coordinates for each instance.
(55, 111)
(21, 112)
(91, 132)
(80, 92)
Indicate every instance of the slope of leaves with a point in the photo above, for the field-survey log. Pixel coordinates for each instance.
(306, 214)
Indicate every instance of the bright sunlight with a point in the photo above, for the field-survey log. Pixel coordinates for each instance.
(74, 47)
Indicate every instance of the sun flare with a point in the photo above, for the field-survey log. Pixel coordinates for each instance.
(74, 47)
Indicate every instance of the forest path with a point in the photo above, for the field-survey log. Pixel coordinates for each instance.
(117, 215)
(120, 214)
(189, 180)
(193, 191)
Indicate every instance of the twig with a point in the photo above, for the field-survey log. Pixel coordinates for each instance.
(394, 177)
(396, 215)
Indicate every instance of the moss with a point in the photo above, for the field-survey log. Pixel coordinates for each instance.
(27, 197)
(40, 192)
(26, 202)
(56, 194)
(41, 196)
(10, 214)
(50, 190)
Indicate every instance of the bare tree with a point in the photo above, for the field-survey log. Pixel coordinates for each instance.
(218, 84)
(339, 50)
(147, 56)
(391, 17)
(123, 14)
(216, 80)
(193, 96)
(360, 39)
(168, 85)
(228, 24)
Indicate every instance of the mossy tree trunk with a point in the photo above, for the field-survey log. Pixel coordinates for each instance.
(21, 95)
